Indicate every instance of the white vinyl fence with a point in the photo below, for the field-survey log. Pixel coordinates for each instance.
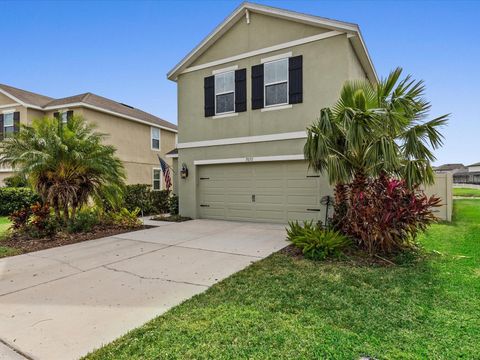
(443, 189)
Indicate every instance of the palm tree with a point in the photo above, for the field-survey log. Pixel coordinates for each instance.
(66, 164)
(374, 129)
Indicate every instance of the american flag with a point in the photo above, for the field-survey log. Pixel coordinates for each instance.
(166, 173)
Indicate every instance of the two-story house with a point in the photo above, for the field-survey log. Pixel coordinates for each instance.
(246, 95)
(139, 137)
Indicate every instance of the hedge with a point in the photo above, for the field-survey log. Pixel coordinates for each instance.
(13, 199)
(142, 196)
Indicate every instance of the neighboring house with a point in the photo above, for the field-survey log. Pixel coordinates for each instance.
(246, 94)
(450, 168)
(470, 175)
(138, 136)
(474, 167)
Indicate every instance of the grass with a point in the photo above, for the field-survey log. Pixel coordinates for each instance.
(466, 192)
(282, 308)
(5, 250)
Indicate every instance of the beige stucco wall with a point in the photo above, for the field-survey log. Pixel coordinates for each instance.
(355, 69)
(33, 114)
(263, 31)
(5, 100)
(327, 64)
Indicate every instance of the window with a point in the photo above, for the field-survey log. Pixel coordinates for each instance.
(225, 93)
(155, 138)
(64, 117)
(8, 124)
(157, 179)
(276, 82)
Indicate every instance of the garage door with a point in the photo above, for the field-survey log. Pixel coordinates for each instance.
(263, 192)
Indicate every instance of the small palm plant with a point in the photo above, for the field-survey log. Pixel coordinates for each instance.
(374, 129)
(67, 164)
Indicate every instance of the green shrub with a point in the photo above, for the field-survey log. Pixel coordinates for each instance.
(125, 218)
(138, 196)
(315, 242)
(173, 204)
(14, 199)
(143, 197)
(84, 220)
(160, 201)
(15, 181)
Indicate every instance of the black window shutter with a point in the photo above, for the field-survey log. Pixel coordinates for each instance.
(16, 121)
(295, 79)
(56, 115)
(209, 87)
(241, 90)
(1, 127)
(69, 114)
(257, 86)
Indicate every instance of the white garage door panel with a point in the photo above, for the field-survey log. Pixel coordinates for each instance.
(282, 191)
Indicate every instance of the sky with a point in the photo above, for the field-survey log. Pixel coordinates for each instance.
(123, 49)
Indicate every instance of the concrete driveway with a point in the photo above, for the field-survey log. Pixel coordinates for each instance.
(62, 303)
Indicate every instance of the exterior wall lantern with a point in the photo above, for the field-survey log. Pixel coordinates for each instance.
(184, 171)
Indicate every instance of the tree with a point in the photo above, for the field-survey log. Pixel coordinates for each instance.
(66, 163)
(374, 129)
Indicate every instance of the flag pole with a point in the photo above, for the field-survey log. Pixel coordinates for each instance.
(171, 168)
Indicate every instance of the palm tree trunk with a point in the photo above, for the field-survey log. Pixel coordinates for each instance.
(74, 211)
(359, 182)
(65, 213)
(56, 207)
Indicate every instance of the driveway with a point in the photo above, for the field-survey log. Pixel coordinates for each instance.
(62, 303)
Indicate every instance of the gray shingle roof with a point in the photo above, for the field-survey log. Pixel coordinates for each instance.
(172, 152)
(26, 96)
(88, 99)
(450, 167)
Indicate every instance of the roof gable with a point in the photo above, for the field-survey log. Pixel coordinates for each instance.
(261, 32)
(24, 97)
(246, 9)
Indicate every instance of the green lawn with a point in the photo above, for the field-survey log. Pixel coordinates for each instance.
(5, 250)
(466, 192)
(297, 309)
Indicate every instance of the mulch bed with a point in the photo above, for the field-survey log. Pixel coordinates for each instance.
(171, 218)
(26, 244)
(360, 258)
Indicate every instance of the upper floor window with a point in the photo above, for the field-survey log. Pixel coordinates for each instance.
(8, 124)
(276, 82)
(155, 138)
(225, 93)
(157, 179)
(64, 117)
